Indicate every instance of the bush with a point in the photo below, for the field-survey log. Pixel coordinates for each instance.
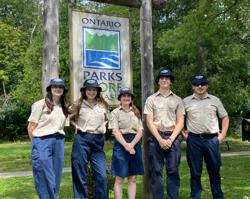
(13, 121)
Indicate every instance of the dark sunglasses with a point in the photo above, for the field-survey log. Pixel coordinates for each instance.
(200, 84)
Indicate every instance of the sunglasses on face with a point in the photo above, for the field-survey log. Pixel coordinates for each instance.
(200, 84)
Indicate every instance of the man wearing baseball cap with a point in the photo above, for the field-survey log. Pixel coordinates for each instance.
(165, 119)
(203, 136)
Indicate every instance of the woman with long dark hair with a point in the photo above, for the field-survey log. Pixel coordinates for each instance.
(89, 118)
(126, 126)
(45, 128)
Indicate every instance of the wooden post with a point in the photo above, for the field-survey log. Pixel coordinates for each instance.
(147, 81)
(50, 42)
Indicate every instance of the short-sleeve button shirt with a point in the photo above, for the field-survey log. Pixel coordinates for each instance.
(48, 123)
(90, 119)
(165, 110)
(202, 113)
(125, 121)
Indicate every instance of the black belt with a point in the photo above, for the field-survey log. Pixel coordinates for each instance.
(165, 132)
(204, 135)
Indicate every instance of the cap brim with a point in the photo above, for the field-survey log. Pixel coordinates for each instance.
(49, 89)
(98, 88)
(199, 82)
(159, 76)
(120, 95)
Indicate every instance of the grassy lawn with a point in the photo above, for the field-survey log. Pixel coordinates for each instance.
(16, 157)
(235, 183)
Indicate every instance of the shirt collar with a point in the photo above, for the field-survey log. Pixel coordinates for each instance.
(87, 103)
(159, 94)
(206, 95)
(120, 108)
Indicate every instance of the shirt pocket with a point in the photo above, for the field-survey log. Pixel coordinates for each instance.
(97, 117)
(159, 109)
(124, 121)
(211, 111)
(193, 112)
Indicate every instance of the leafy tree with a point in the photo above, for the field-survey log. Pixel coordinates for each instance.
(212, 38)
(12, 49)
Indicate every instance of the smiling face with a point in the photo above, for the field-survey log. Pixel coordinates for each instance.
(91, 93)
(200, 89)
(57, 91)
(165, 82)
(126, 99)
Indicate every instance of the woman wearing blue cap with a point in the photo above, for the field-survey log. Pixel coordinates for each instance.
(89, 118)
(45, 128)
(126, 126)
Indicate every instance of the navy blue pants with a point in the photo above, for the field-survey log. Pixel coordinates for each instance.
(157, 158)
(207, 147)
(125, 164)
(89, 147)
(47, 163)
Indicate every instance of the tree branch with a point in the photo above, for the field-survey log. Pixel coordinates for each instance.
(223, 12)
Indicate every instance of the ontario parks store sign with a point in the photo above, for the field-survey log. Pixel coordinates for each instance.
(100, 49)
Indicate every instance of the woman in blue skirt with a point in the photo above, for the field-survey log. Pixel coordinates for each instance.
(126, 126)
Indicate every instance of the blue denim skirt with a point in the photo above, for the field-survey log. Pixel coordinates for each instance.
(125, 164)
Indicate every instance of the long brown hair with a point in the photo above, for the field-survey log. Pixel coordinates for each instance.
(50, 105)
(99, 98)
(135, 110)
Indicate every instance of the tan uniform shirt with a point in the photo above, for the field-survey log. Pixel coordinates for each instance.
(165, 110)
(125, 121)
(202, 113)
(90, 119)
(48, 123)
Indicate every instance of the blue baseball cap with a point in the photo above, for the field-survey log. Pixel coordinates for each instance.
(124, 91)
(164, 73)
(199, 79)
(56, 82)
(91, 83)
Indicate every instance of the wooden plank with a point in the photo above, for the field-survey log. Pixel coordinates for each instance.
(157, 4)
(50, 42)
(147, 81)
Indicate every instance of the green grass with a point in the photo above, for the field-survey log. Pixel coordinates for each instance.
(235, 183)
(16, 156)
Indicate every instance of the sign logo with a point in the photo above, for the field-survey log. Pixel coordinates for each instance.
(101, 49)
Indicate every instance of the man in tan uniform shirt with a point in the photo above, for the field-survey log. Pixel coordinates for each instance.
(165, 118)
(203, 135)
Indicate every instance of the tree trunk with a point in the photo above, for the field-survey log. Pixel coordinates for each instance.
(50, 42)
(200, 59)
(4, 91)
(157, 4)
(147, 81)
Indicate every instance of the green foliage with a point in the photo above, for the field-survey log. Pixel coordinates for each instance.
(213, 38)
(12, 122)
(12, 49)
(188, 36)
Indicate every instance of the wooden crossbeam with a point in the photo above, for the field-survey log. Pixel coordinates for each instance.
(156, 4)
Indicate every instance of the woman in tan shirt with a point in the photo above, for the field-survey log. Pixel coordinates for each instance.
(89, 119)
(126, 126)
(45, 128)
